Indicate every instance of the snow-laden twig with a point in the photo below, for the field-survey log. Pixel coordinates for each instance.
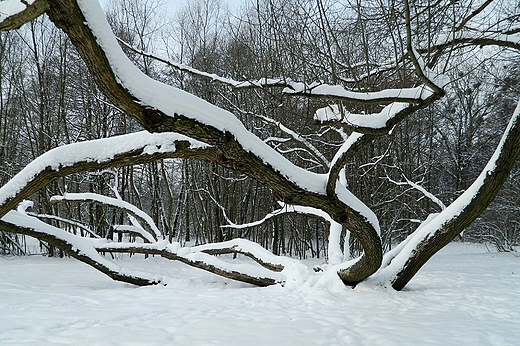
(476, 37)
(302, 141)
(428, 77)
(419, 188)
(135, 230)
(72, 223)
(260, 83)
(145, 221)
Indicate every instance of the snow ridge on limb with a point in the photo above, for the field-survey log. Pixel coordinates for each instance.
(317, 89)
(338, 92)
(74, 224)
(92, 155)
(419, 188)
(240, 272)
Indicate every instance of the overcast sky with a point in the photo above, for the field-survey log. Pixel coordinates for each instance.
(173, 5)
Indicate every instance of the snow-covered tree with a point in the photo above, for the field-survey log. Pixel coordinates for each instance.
(181, 125)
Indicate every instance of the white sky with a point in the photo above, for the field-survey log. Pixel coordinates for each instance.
(173, 5)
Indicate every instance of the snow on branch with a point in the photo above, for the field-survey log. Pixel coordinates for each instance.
(75, 246)
(74, 224)
(422, 71)
(316, 89)
(244, 272)
(139, 231)
(419, 188)
(145, 221)
(260, 83)
(88, 251)
(445, 226)
(250, 249)
(98, 154)
(15, 13)
(302, 141)
(476, 37)
(361, 122)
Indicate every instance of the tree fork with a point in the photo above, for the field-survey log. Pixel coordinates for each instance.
(67, 15)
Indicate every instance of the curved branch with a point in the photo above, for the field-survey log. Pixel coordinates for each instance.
(144, 219)
(72, 223)
(15, 222)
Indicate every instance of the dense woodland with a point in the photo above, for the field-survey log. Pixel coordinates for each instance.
(49, 99)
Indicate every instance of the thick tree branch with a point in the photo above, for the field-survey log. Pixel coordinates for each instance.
(83, 251)
(199, 260)
(168, 109)
(131, 149)
(26, 11)
(86, 250)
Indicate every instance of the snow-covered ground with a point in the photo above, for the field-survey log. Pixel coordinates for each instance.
(463, 296)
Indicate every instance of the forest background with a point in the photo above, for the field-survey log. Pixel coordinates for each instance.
(49, 99)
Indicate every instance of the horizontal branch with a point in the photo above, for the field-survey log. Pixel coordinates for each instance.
(338, 92)
(129, 149)
(476, 38)
(197, 260)
(315, 90)
(87, 250)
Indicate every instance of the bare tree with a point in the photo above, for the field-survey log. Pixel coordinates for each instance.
(188, 127)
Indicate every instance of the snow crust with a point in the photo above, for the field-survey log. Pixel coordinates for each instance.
(463, 296)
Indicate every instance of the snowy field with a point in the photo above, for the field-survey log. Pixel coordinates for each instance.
(464, 296)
